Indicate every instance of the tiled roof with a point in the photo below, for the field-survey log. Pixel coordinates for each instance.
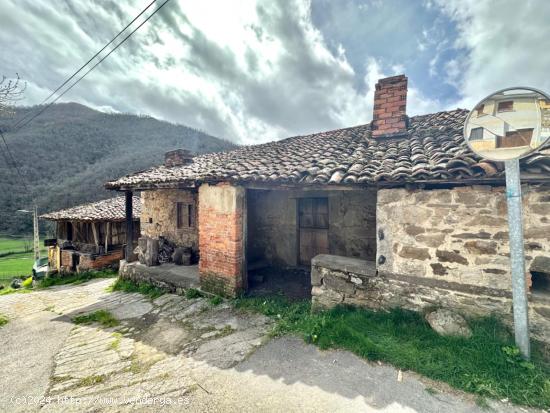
(435, 150)
(112, 209)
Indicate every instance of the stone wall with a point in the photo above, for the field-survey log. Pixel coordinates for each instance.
(273, 231)
(158, 216)
(341, 280)
(458, 235)
(221, 241)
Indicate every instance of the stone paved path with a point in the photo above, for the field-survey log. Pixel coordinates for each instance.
(189, 353)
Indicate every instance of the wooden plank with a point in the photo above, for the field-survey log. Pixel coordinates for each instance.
(94, 231)
(129, 227)
(107, 231)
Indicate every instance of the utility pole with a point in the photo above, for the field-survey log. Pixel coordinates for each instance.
(36, 234)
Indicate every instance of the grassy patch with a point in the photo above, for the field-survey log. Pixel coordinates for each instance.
(103, 317)
(91, 380)
(133, 287)
(192, 293)
(487, 364)
(76, 278)
(3, 320)
(216, 300)
(115, 344)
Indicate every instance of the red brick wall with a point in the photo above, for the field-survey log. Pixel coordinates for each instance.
(221, 240)
(89, 261)
(98, 262)
(390, 107)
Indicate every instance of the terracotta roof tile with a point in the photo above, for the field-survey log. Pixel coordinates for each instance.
(434, 150)
(112, 209)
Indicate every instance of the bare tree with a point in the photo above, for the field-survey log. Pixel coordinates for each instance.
(11, 90)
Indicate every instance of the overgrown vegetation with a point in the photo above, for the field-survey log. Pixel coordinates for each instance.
(216, 300)
(76, 278)
(103, 317)
(488, 364)
(193, 293)
(3, 320)
(133, 287)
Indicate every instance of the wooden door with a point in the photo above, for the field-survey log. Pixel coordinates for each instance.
(513, 139)
(313, 228)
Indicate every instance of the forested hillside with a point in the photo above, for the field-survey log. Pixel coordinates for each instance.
(69, 151)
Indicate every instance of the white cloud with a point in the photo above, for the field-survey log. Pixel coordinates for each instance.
(506, 43)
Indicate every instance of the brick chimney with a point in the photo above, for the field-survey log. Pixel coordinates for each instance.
(390, 107)
(178, 157)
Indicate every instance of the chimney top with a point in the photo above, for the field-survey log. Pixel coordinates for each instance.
(389, 118)
(178, 157)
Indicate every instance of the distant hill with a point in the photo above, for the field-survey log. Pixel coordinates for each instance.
(70, 150)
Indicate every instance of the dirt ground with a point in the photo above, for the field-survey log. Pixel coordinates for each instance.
(174, 354)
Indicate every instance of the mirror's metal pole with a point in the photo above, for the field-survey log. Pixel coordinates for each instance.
(517, 259)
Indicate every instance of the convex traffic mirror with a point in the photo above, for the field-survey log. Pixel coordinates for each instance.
(509, 124)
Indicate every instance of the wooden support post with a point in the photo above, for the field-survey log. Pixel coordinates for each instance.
(107, 231)
(96, 238)
(129, 227)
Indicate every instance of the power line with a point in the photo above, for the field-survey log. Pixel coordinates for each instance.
(14, 163)
(88, 62)
(93, 67)
(21, 125)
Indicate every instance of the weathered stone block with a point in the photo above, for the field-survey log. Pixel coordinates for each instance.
(447, 323)
(414, 253)
(316, 276)
(336, 283)
(540, 264)
(451, 256)
(431, 240)
(481, 247)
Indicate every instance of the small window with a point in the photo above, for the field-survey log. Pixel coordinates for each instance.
(185, 215)
(506, 106)
(480, 110)
(476, 134)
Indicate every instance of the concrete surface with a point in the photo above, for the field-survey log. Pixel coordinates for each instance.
(174, 354)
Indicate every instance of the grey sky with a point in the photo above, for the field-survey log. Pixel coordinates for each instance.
(253, 71)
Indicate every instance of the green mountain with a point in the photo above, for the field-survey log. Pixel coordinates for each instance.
(69, 152)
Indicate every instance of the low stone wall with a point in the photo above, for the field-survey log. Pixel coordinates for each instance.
(168, 277)
(340, 280)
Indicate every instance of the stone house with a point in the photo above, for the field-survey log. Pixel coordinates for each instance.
(90, 236)
(395, 212)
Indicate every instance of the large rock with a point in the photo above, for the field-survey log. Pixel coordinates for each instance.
(447, 323)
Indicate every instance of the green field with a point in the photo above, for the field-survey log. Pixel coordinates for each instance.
(14, 261)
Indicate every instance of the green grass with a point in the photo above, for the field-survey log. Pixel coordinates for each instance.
(76, 278)
(193, 293)
(133, 287)
(14, 260)
(3, 320)
(216, 300)
(103, 317)
(487, 364)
